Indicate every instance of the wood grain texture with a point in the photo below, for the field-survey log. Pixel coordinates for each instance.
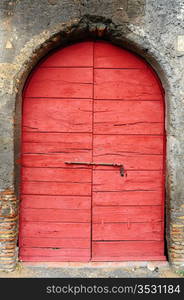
(55, 202)
(54, 159)
(53, 148)
(127, 198)
(45, 254)
(106, 145)
(45, 242)
(52, 257)
(107, 55)
(57, 115)
(56, 188)
(55, 230)
(65, 83)
(120, 249)
(56, 175)
(128, 231)
(130, 160)
(77, 140)
(128, 117)
(127, 214)
(129, 258)
(134, 181)
(56, 215)
(77, 55)
(126, 84)
(55, 252)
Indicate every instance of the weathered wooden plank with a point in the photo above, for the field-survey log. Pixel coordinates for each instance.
(127, 198)
(56, 175)
(52, 148)
(57, 115)
(53, 258)
(118, 145)
(128, 117)
(55, 215)
(128, 231)
(135, 180)
(47, 252)
(76, 55)
(126, 84)
(62, 202)
(45, 242)
(127, 214)
(42, 159)
(107, 55)
(136, 162)
(55, 230)
(130, 161)
(55, 159)
(64, 82)
(56, 188)
(113, 250)
(130, 258)
(68, 140)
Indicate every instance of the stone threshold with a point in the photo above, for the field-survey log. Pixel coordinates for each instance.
(129, 264)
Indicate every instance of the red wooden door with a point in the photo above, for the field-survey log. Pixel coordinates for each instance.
(92, 102)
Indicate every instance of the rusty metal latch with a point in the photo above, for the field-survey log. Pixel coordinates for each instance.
(122, 170)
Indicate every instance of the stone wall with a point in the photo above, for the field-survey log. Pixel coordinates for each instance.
(30, 29)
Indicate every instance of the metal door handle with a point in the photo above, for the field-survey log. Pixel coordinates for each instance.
(122, 171)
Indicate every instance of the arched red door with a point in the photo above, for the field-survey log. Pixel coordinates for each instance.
(87, 107)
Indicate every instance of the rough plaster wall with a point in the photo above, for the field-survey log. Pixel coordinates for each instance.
(152, 27)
